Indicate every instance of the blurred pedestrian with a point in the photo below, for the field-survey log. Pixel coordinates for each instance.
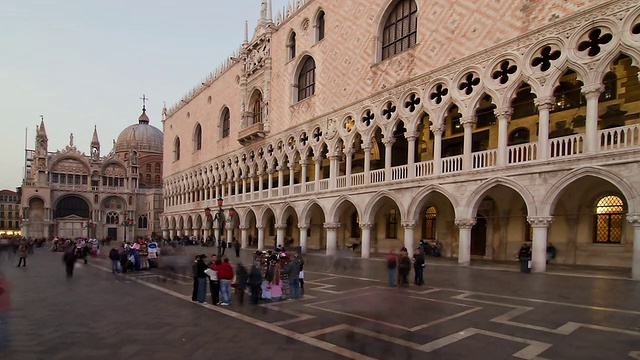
(241, 282)
(418, 266)
(392, 265)
(201, 266)
(236, 247)
(254, 280)
(22, 252)
(69, 258)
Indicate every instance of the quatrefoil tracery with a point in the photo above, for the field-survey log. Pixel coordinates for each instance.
(469, 82)
(502, 74)
(545, 58)
(317, 134)
(389, 110)
(440, 92)
(412, 102)
(596, 38)
(304, 139)
(348, 124)
(368, 117)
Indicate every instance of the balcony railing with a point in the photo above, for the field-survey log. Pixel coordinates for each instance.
(251, 133)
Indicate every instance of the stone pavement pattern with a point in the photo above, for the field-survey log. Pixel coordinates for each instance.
(347, 313)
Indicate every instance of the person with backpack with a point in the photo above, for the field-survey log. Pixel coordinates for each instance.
(392, 264)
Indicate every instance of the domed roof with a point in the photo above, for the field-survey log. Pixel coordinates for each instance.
(141, 136)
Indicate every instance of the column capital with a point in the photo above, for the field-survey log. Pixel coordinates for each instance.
(303, 227)
(303, 162)
(331, 225)
(318, 159)
(465, 223)
(540, 221)
(468, 121)
(335, 157)
(544, 103)
(260, 227)
(504, 112)
(280, 226)
(243, 227)
(270, 171)
(592, 91)
(411, 135)
(634, 219)
(388, 142)
(280, 167)
(437, 129)
(291, 166)
(350, 151)
(409, 224)
(366, 225)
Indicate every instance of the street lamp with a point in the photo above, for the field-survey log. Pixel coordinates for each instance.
(126, 223)
(89, 225)
(221, 220)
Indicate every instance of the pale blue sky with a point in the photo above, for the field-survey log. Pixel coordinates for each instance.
(82, 63)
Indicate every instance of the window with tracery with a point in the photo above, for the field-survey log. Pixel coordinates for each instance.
(429, 223)
(401, 29)
(226, 123)
(307, 79)
(256, 108)
(392, 224)
(112, 218)
(142, 222)
(609, 220)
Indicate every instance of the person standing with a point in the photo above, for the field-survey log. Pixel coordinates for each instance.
(22, 252)
(223, 246)
(392, 265)
(404, 267)
(225, 274)
(69, 258)
(194, 268)
(114, 256)
(214, 281)
(254, 280)
(418, 266)
(293, 269)
(241, 282)
(236, 247)
(201, 266)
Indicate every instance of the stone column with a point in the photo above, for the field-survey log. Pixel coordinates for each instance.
(592, 94)
(205, 233)
(388, 149)
(467, 154)
(229, 227)
(411, 155)
(464, 245)
(303, 236)
(217, 185)
(303, 180)
(333, 171)
(318, 163)
(260, 237)
(544, 105)
(539, 246)
(367, 162)
(260, 184)
(244, 187)
(634, 219)
(280, 229)
(332, 237)
(252, 185)
(270, 184)
(165, 233)
(409, 226)
(172, 233)
(503, 115)
(244, 236)
(349, 161)
(292, 178)
(280, 179)
(365, 243)
(437, 147)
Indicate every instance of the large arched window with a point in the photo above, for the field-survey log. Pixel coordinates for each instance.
(176, 149)
(400, 29)
(256, 108)
(320, 26)
(225, 122)
(142, 222)
(197, 138)
(307, 79)
(292, 45)
(609, 218)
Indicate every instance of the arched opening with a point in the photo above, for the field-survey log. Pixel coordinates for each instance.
(320, 26)
(225, 123)
(176, 149)
(197, 138)
(291, 46)
(400, 31)
(306, 84)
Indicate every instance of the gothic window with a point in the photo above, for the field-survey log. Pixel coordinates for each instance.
(226, 123)
(307, 79)
(256, 108)
(355, 225)
(429, 223)
(112, 218)
(400, 29)
(197, 138)
(95, 199)
(392, 224)
(609, 218)
(176, 149)
(292, 45)
(610, 83)
(142, 222)
(484, 113)
(320, 26)
(523, 105)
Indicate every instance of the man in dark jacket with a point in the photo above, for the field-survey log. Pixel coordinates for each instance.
(254, 281)
(114, 256)
(293, 269)
(201, 266)
(418, 266)
(194, 267)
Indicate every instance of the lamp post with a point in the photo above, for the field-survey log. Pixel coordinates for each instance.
(126, 224)
(221, 220)
(89, 224)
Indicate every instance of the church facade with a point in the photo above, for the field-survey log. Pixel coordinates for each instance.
(69, 194)
(478, 125)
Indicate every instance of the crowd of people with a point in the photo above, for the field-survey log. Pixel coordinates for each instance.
(399, 266)
(272, 276)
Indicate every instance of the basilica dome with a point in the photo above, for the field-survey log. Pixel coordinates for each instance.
(141, 136)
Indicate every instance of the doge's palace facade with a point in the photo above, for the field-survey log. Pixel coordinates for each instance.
(480, 125)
